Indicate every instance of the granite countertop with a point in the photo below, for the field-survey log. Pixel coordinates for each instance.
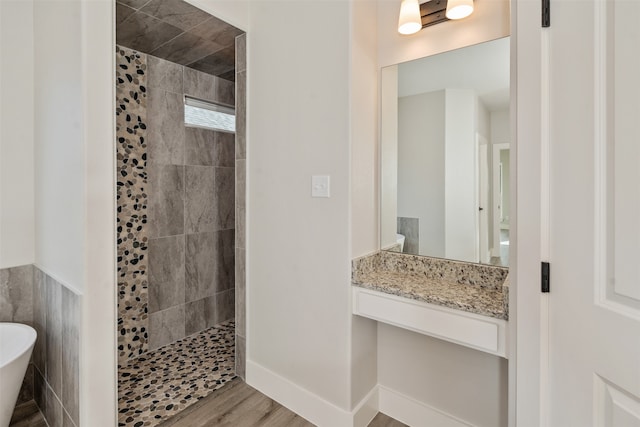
(426, 282)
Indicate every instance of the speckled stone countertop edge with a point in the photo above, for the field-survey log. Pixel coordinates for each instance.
(495, 309)
(367, 271)
(466, 273)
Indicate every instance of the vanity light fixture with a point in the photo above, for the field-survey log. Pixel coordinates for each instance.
(415, 16)
(458, 9)
(410, 21)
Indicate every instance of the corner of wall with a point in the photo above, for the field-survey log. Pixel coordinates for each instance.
(364, 194)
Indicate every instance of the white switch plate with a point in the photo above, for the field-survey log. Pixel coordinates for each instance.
(320, 186)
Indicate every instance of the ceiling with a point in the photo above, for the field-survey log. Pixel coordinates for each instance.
(178, 32)
(482, 67)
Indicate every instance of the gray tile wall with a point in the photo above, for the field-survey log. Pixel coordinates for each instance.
(16, 294)
(410, 229)
(191, 207)
(27, 295)
(56, 358)
(240, 203)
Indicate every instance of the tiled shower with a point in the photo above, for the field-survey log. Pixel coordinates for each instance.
(180, 213)
(176, 206)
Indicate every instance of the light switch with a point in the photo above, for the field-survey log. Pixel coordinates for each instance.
(320, 186)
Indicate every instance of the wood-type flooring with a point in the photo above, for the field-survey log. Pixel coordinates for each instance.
(236, 404)
(240, 405)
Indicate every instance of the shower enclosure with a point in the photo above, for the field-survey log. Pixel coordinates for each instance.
(180, 194)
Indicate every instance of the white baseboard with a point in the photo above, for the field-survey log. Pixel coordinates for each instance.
(367, 409)
(414, 413)
(326, 414)
(307, 404)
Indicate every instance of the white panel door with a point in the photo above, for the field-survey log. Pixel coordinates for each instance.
(592, 107)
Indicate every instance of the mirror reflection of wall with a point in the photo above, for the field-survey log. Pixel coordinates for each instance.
(500, 250)
(444, 186)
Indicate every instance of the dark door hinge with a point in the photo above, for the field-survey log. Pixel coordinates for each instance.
(546, 13)
(546, 278)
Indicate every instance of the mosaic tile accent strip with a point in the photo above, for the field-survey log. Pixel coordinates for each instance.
(165, 381)
(131, 134)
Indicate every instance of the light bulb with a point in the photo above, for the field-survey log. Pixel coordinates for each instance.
(458, 9)
(410, 21)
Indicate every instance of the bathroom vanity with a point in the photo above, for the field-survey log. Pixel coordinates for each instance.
(460, 302)
(444, 214)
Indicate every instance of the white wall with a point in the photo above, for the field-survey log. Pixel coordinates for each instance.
(17, 235)
(298, 247)
(364, 84)
(466, 384)
(501, 134)
(75, 179)
(421, 167)
(364, 190)
(500, 128)
(59, 151)
(57, 176)
(506, 186)
(484, 121)
(484, 129)
(389, 156)
(98, 364)
(234, 12)
(460, 203)
(489, 21)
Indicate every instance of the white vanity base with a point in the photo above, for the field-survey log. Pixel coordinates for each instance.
(482, 333)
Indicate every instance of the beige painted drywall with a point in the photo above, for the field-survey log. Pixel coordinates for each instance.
(234, 12)
(421, 167)
(298, 246)
(75, 180)
(364, 95)
(59, 150)
(98, 364)
(484, 130)
(500, 134)
(465, 383)
(365, 228)
(506, 187)
(460, 181)
(388, 156)
(17, 232)
(489, 21)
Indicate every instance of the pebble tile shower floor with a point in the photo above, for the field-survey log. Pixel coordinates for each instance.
(163, 382)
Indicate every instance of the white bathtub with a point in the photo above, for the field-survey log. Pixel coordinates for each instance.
(16, 344)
